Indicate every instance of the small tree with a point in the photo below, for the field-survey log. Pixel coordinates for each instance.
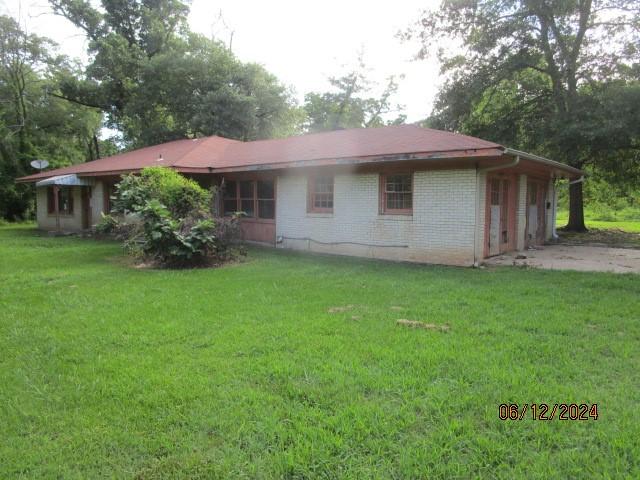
(168, 220)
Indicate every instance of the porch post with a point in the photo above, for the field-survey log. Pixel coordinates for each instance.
(56, 205)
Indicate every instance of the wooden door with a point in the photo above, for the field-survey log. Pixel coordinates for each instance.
(536, 214)
(86, 207)
(500, 215)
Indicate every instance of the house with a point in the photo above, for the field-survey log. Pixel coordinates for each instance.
(401, 192)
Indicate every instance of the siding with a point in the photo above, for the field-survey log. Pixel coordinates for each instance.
(441, 229)
(69, 223)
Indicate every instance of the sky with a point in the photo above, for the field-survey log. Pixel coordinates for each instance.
(302, 43)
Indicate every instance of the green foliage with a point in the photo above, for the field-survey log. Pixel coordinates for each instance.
(107, 224)
(242, 372)
(350, 104)
(166, 218)
(157, 81)
(536, 76)
(34, 123)
(180, 195)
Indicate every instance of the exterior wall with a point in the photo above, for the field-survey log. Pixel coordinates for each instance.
(97, 202)
(69, 223)
(440, 230)
(47, 221)
(521, 212)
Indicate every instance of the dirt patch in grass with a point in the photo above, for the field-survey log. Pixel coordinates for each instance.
(611, 237)
(342, 309)
(426, 326)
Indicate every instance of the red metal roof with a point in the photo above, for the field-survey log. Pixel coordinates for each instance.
(212, 153)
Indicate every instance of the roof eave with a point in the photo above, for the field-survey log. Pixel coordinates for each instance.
(449, 154)
(571, 171)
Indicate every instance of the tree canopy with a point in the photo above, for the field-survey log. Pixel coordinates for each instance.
(33, 123)
(553, 77)
(351, 103)
(157, 81)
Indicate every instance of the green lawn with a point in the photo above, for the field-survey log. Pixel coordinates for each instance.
(630, 226)
(242, 372)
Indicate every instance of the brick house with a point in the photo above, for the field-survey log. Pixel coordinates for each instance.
(401, 193)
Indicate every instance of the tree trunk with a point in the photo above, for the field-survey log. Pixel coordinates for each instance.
(576, 209)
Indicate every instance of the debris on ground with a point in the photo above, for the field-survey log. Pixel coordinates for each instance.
(416, 324)
(340, 309)
(396, 308)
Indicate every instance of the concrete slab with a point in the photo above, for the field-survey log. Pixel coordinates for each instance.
(574, 257)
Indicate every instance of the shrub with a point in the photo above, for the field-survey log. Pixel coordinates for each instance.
(165, 218)
(180, 195)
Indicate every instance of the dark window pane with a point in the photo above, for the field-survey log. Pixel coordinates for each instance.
(230, 207)
(65, 201)
(266, 209)
(322, 198)
(399, 201)
(323, 185)
(265, 189)
(230, 190)
(495, 192)
(246, 206)
(398, 183)
(533, 193)
(246, 189)
(51, 207)
(398, 192)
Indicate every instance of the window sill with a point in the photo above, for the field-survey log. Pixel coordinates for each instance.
(62, 215)
(400, 217)
(319, 214)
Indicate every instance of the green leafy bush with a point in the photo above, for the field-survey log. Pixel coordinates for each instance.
(180, 195)
(165, 218)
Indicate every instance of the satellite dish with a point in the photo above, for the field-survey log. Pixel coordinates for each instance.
(39, 164)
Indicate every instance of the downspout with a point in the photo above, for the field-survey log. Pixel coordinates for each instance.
(512, 163)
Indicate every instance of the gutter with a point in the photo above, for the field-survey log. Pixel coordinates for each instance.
(512, 163)
(543, 160)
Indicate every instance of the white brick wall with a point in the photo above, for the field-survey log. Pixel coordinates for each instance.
(441, 229)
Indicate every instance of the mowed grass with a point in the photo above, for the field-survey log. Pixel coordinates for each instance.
(591, 222)
(241, 372)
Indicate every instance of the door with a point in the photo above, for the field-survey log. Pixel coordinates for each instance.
(86, 207)
(499, 224)
(536, 218)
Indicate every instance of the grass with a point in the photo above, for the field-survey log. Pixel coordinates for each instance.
(592, 220)
(242, 372)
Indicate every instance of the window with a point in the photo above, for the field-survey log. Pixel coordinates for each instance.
(247, 198)
(397, 193)
(266, 199)
(109, 192)
(533, 193)
(230, 198)
(255, 198)
(65, 200)
(321, 194)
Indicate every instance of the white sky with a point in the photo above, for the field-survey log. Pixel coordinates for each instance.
(301, 42)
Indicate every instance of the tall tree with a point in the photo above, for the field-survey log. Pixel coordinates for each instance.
(545, 55)
(33, 123)
(350, 104)
(157, 81)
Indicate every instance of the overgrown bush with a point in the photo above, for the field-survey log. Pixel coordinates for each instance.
(165, 218)
(180, 195)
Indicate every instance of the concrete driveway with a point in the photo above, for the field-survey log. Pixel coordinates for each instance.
(574, 257)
